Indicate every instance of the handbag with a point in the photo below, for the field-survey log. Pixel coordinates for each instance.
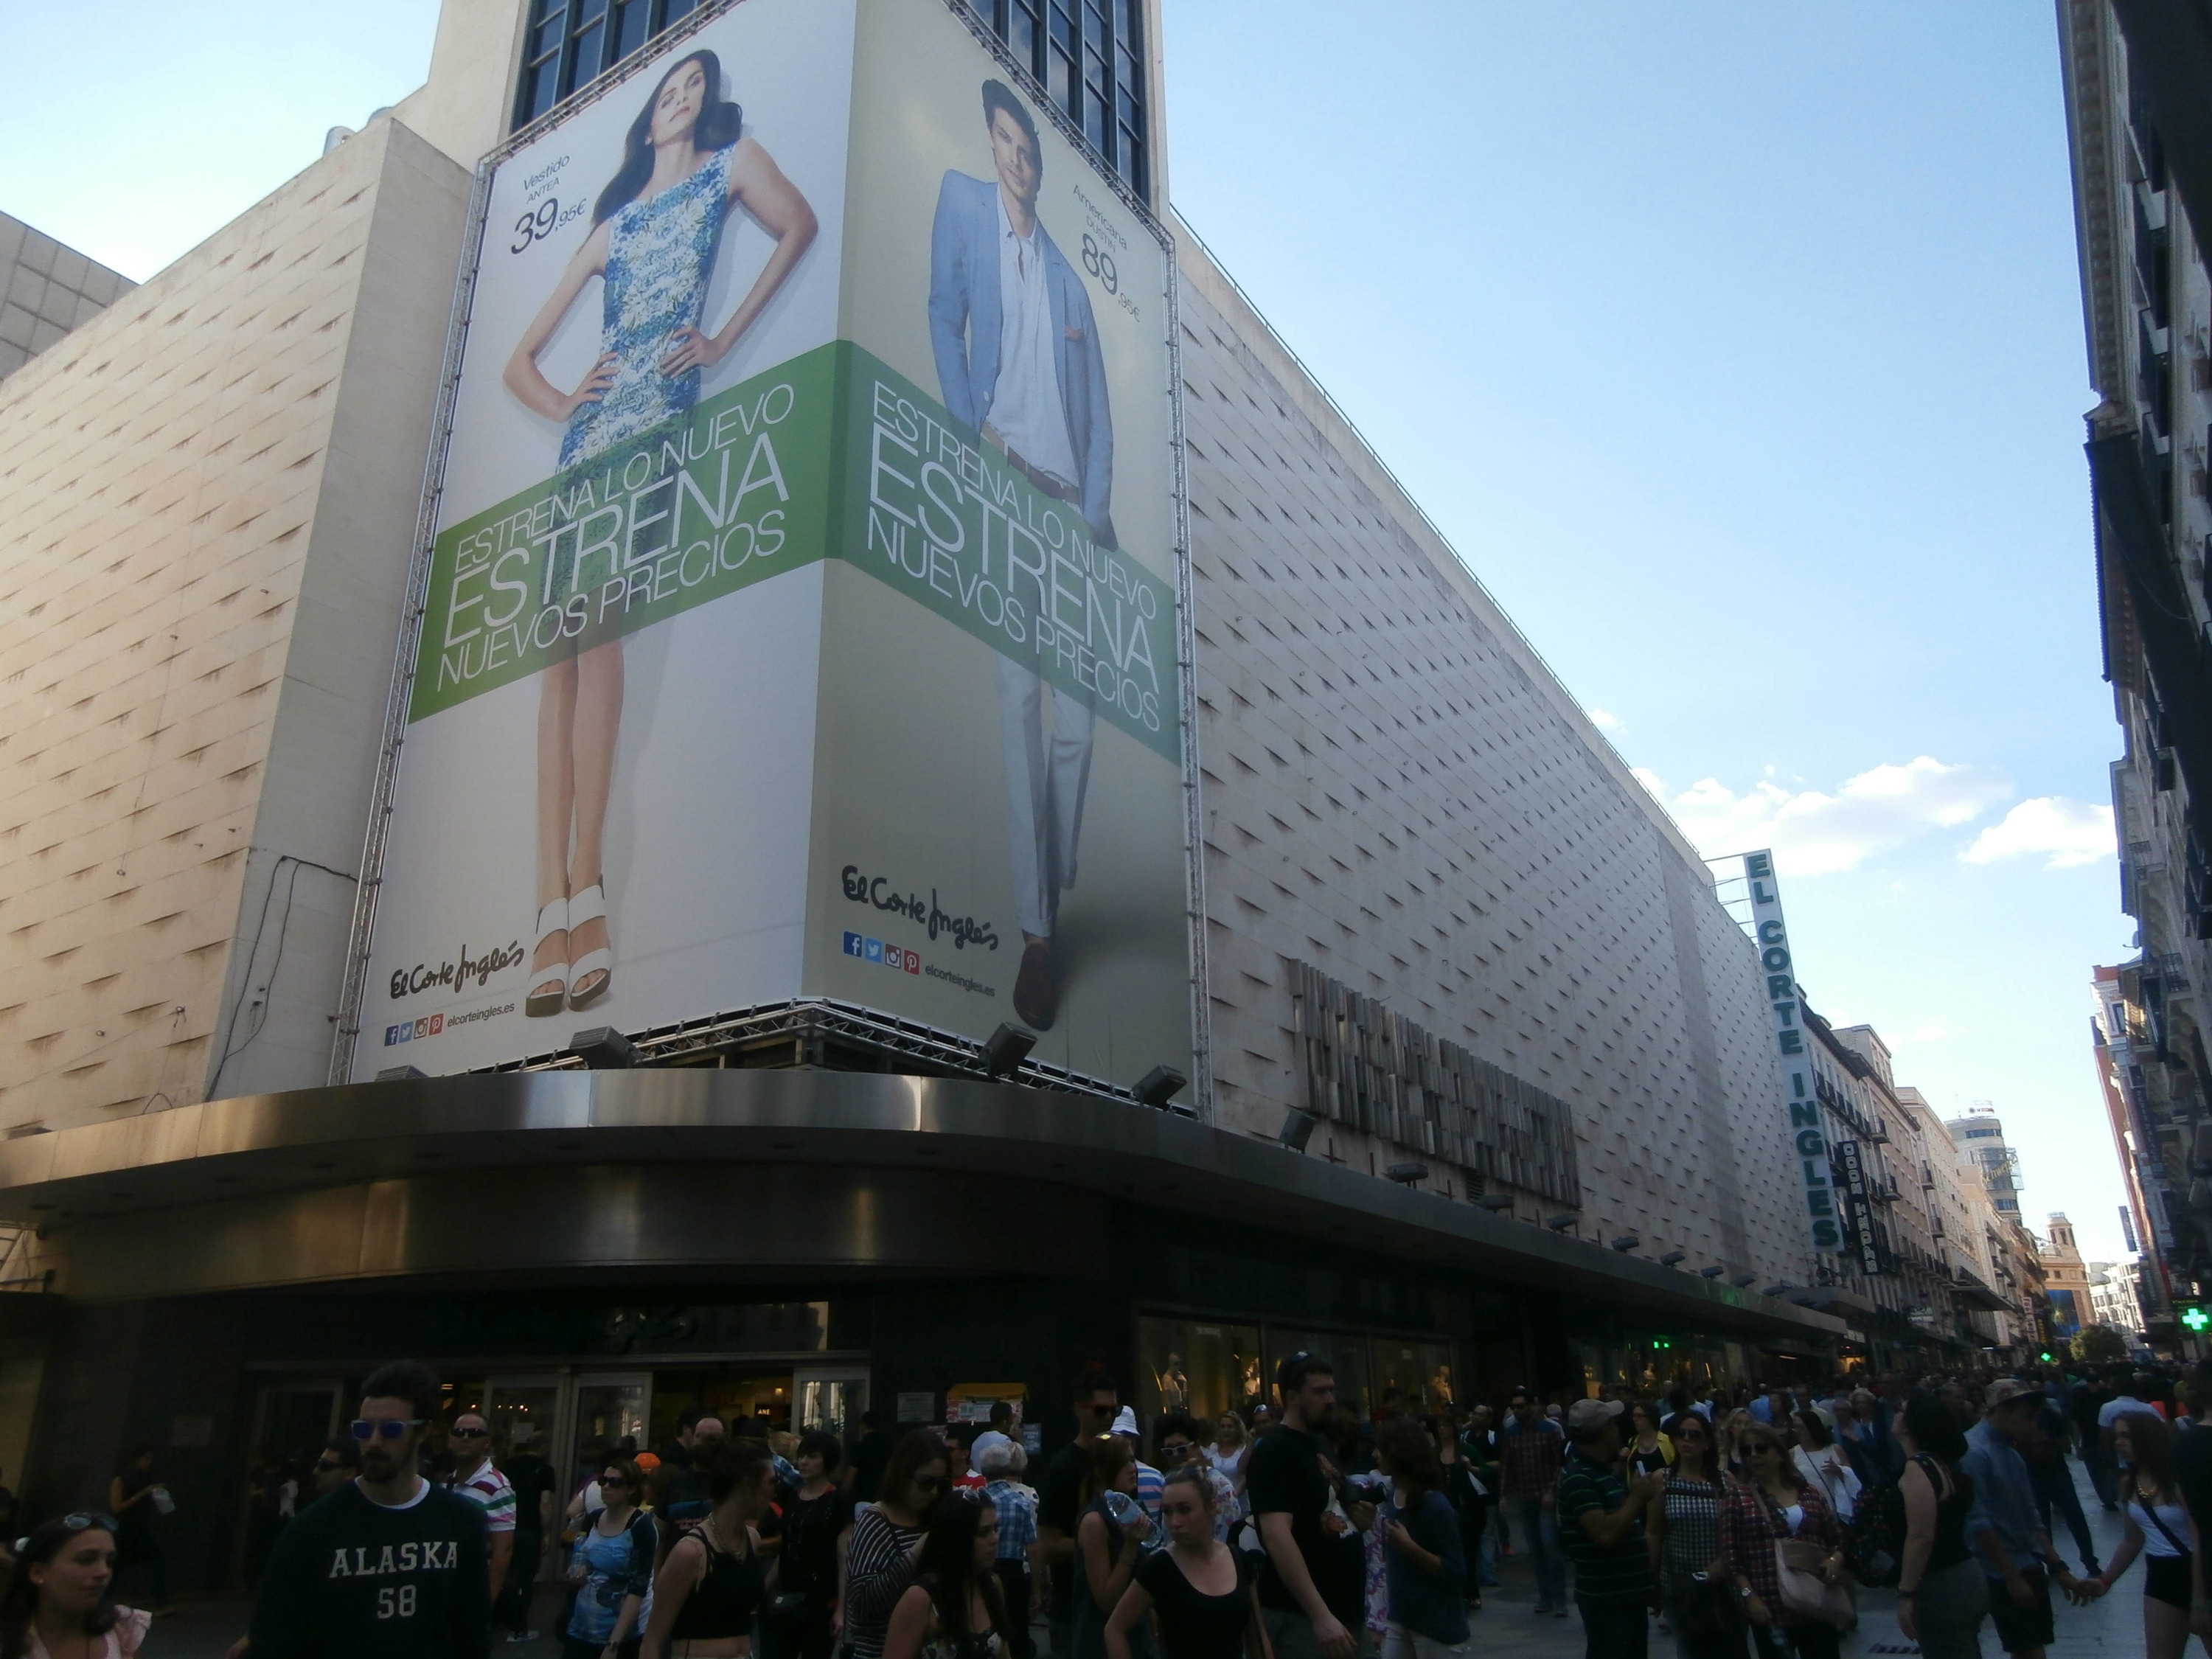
(1797, 1570)
(1804, 1592)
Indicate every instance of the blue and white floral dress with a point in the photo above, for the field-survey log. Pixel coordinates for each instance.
(661, 252)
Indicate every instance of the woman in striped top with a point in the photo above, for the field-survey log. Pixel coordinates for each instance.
(886, 1539)
(1684, 1531)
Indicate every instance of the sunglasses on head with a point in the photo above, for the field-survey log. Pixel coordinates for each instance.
(86, 1520)
(388, 1428)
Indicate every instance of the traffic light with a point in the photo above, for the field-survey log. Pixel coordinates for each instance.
(2045, 1356)
(1661, 1342)
(2193, 1316)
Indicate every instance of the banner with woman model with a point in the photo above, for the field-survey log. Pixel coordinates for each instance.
(803, 612)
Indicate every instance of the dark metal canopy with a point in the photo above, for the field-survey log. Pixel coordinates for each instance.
(732, 1170)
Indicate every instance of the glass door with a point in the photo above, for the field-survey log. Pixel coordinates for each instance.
(829, 1397)
(611, 1407)
(291, 1421)
(523, 1413)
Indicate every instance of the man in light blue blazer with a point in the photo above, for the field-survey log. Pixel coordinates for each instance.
(1018, 362)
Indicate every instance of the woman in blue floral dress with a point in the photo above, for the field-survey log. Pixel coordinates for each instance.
(656, 228)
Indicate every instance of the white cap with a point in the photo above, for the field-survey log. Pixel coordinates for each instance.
(1126, 1423)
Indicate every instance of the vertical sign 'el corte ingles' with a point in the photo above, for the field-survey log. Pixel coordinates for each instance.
(1799, 1103)
(803, 612)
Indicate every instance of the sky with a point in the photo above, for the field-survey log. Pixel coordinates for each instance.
(1737, 349)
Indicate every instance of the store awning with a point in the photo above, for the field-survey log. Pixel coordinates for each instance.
(705, 1170)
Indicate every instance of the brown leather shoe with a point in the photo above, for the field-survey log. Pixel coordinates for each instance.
(1035, 998)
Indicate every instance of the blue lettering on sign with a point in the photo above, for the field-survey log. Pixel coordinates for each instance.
(852, 945)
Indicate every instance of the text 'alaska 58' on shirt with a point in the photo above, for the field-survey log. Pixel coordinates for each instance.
(352, 1579)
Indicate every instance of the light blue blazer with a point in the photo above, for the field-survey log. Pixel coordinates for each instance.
(963, 333)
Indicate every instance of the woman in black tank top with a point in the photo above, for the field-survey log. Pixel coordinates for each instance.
(954, 1608)
(712, 1581)
(1941, 1595)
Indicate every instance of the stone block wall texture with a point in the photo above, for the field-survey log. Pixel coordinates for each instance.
(208, 495)
(46, 290)
(1395, 790)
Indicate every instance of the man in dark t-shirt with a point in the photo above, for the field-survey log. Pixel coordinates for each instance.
(1059, 1503)
(2088, 1401)
(1312, 1590)
(864, 1476)
(532, 1479)
(388, 1566)
(2192, 1449)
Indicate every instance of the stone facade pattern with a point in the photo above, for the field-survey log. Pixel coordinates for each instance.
(207, 498)
(46, 290)
(1396, 790)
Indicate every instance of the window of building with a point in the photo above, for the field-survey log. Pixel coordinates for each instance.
(1088, 57)
(571, 43)
(1086, 54)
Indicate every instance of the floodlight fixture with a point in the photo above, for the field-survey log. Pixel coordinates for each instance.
(602, 1049)
(1006, 1048)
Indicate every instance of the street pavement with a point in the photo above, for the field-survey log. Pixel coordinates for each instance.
(1506, 1629)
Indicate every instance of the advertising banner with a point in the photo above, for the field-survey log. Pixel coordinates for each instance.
(803, 612)
(1800, 1103)
(1857, 1195)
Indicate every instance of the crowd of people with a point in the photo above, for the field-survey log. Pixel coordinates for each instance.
(1736, 1525)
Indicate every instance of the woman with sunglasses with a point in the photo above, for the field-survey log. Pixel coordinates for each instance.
(1684, 1531)
(1107, 1540)
(714, 1580)
(1773, 1505)
(886, 1539)
(611, 1567)
(56, 1604)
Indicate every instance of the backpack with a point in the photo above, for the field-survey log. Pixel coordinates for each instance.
(1873, 1540)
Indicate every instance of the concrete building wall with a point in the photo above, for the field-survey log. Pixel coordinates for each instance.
(46, 290)
(208, 495)
(1398, 793)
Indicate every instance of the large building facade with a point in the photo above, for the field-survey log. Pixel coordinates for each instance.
(1493, 1087)
(2141, 154)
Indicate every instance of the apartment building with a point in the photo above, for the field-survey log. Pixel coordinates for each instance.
(2141, 158)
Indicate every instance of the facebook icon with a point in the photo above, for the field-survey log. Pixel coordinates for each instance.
(852, 945)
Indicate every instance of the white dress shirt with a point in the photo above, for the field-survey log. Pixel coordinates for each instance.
(1025, 407)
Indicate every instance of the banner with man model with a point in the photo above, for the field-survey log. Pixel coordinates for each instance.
(802, 617)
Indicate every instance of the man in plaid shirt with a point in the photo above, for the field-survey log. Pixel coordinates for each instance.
(1530, 1450)
(1002, 1466)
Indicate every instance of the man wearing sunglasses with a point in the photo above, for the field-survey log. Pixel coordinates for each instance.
(476, 1479)
(387, 1565)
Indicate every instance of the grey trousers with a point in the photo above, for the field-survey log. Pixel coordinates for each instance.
(1045, 783)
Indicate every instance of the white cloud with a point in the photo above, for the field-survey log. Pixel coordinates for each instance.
(1815, 833)
(1605, 721)
(2065, 834)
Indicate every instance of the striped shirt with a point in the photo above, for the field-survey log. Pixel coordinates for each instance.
(878, 1571)
(1619, 1572)
(492, 1494)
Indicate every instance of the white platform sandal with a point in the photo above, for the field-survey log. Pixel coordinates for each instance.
(589, 905)
(553, 919)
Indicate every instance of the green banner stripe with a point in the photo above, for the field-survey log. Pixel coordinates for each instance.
(954, 525)
(832, 454)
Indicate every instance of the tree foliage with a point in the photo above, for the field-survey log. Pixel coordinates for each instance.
(2099, 1345)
